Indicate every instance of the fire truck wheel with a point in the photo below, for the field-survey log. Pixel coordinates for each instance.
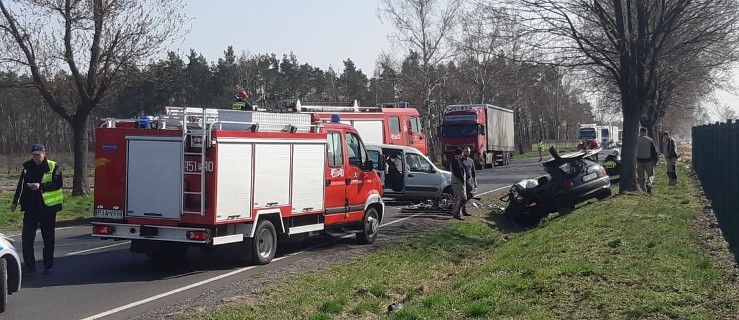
(370, 224)
(264, 243)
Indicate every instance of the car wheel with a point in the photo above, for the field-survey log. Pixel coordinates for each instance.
(604, 194)
(264, 244)
(370, 225)
(563, 205)
(446, 200)
(3, 284)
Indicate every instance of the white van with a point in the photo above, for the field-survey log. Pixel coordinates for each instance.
(407, 174)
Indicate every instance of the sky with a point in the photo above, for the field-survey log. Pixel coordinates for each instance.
(321, 33)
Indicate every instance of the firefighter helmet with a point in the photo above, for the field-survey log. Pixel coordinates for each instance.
(242, 94)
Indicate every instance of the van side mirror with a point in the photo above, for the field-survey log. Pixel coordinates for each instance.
(481, 129)
(368, 165)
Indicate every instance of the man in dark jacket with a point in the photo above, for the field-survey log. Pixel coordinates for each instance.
(39, 191)
(458, 181)
(646, 159)
(470, 178)
(670, 152)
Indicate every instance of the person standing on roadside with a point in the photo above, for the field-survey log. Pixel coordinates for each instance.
(39, 192)
(646, 159)
(541, 149)
(670, 152)
(470, 178)
(458, 181)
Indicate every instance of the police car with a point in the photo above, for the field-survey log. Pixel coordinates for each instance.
(10, 270)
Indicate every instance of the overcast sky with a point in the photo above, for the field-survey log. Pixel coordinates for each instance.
(321, 33)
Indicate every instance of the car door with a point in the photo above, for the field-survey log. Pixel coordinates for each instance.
(422, 180)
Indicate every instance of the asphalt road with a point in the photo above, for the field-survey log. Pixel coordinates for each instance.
(100, 279)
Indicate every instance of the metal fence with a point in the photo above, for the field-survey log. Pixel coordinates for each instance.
(716, 162)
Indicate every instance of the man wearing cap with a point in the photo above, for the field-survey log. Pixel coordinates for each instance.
(670, 152)
(39, 191)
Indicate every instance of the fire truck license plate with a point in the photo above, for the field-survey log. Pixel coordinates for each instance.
(107, 213)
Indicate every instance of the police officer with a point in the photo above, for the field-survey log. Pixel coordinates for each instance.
(39, 191)
(470, 178)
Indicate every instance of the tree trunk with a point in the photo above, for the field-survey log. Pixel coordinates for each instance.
(628, 149)
(79, 182)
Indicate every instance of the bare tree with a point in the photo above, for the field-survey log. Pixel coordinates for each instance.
(627, 42)
(424, 26)
(723, 111)
(88, 43)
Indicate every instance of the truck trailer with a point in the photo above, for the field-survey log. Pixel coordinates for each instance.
(486, 129)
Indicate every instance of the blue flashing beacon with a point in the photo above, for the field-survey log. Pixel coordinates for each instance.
(335, 118)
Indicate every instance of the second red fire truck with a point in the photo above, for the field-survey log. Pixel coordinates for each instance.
(239, 180)
(385, 123)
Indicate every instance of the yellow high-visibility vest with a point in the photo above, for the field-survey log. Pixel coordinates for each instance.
(51, 198)
(238, 105)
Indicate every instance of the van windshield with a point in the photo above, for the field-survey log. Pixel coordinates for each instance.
(459, 130)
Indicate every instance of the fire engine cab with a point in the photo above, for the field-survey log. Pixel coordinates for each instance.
(385, 123)
(232, 179)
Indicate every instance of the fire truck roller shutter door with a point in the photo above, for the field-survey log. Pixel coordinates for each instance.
(370, 130)
(271, 174)
(234, 181)
(308, 178)
(154, 183)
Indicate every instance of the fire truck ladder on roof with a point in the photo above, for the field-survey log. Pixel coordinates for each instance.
(198, 134)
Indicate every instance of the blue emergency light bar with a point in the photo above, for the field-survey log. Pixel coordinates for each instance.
(335, 118)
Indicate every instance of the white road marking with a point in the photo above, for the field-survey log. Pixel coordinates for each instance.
(39, 230)
(216, 278)
(486, 192)
(98, 248)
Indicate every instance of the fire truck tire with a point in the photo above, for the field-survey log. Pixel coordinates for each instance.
(370, 225)
(264, 244)
(3, 284)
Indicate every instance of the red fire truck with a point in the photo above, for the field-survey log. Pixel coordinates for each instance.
(238, 180)
(385, 123)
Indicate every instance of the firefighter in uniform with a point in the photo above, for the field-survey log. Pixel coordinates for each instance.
(470, 178)
(242, 102)
(39, 191)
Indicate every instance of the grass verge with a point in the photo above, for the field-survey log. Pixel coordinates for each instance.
(74, 209)
(632, 256)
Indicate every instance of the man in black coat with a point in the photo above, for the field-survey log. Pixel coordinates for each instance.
(39, 191)
(458, 184)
